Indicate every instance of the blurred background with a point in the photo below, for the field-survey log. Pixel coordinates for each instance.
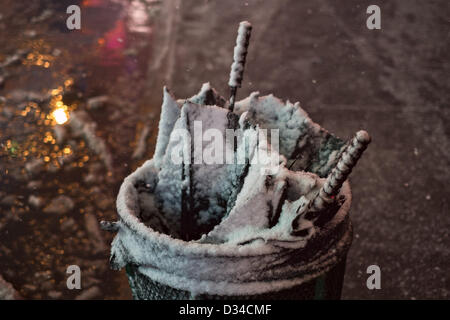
(79, 111)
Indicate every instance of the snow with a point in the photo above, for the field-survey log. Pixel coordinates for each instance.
(142, 143)
(255, 205)
(266, 208)
(170, 112)
(192, 178)
(208, 96)
(299, 135)
(174, 178)
(7, 291)
(226, 268)
(219, 269)
(60, 205)
(246, 220)
(240, 53)
(82, 124)
(211, 184)
(171, 177)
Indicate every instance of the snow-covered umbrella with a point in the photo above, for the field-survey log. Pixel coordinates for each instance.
(269, 218)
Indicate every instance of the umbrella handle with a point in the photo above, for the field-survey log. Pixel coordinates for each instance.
(239, 56)
(341, 171)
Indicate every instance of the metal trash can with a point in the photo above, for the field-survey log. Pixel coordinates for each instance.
(161, 267)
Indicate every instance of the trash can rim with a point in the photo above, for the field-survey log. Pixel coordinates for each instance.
(129, 218)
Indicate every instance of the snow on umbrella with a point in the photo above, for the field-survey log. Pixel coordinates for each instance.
(183, 219)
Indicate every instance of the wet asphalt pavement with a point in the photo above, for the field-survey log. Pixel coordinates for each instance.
(391, 82)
